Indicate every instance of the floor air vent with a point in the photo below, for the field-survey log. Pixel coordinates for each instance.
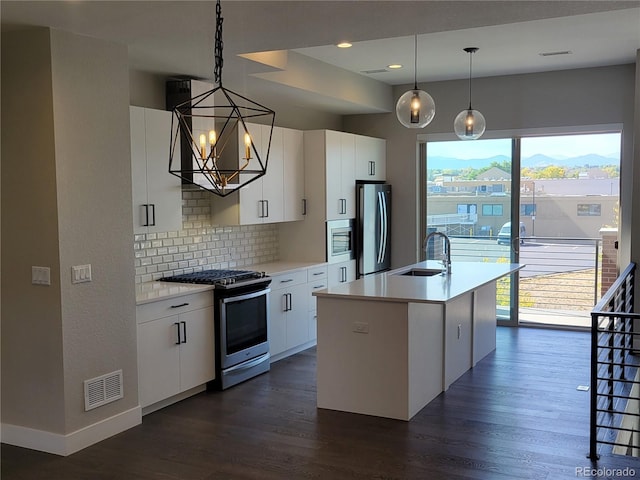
(102, 390)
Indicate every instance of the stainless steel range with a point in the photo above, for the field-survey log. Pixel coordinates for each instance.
(241, 305)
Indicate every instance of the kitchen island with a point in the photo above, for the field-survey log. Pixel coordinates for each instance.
(390, 343)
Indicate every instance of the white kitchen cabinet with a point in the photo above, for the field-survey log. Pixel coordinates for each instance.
(294, 191)
(371, 154)
(341, 272)
(288, 311)
(202, 123)
(157, 195)
(317, 279)
(262, 201)
(340, 175)
(275, 197)
(458, 338)
(176, 347)
(330, 190)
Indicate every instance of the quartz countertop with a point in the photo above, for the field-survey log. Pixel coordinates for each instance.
(393, 287)
(278, 268)
(153, 291)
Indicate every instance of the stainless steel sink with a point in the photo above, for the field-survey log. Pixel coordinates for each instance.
(422, 272)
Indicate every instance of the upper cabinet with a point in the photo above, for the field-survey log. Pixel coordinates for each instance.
(262, 201)
(330, 160)
(277, 196)
(157, 195)
(334, 161)
(340, 173)
(294, 189)
(371, 154)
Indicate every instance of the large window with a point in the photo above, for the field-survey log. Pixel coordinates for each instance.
(467, 208)
(527, 209)
(589, 209)
(492, 210)
(564, 188)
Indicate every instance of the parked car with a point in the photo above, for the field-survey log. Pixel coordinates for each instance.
(504, 235)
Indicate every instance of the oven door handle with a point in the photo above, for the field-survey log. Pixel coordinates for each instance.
(246, 296)
(248, 364)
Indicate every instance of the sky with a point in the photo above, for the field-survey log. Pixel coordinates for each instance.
(559, 146)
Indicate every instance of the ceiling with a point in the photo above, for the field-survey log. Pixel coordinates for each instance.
(286, 49)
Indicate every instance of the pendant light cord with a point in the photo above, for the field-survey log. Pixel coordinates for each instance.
(470, 61)
(218, 44)
(415, 63)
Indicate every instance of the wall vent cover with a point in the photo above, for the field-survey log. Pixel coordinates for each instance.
(102, 390)
(377, 70)
(552, 54)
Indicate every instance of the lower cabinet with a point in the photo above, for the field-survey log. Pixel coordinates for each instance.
(316, 280)
(341, 272)
(287, 309)
(176, 347)
(292, 310)
(458, 338)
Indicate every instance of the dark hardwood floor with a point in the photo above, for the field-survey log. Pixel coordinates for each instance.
(516, 415)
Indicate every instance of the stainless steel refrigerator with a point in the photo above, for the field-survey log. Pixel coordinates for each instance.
(373, 227)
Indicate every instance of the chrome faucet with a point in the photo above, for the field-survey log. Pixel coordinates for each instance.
(446, 258)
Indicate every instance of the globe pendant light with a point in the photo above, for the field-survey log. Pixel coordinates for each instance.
(415, 108)
(470, 123)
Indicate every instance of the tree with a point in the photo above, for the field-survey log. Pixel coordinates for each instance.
(552, 171)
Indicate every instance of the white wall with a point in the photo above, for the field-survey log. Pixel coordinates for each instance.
(32, 363)
(66, 200)
(148, 90)
(555, 99)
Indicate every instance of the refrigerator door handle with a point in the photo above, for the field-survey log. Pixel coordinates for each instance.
(381, 227)
(385, 227)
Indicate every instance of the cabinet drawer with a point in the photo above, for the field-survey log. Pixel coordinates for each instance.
(316, 273)
(173, 306)
(288, 279)
(319, 284)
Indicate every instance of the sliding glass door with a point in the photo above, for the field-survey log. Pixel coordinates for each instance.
(545, 201)
(469, 196)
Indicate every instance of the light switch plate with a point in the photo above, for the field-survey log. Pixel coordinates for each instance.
(81, 273)
(40, 275)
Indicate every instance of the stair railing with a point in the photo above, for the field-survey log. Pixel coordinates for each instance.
(615, 336)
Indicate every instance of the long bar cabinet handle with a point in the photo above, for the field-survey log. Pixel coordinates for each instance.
(177, 324)
(181, 305)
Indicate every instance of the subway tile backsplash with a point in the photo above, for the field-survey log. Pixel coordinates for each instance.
(201, 245)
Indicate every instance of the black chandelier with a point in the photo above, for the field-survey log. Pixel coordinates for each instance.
(210, 127)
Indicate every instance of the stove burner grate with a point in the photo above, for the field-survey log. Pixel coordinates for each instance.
(215, 277)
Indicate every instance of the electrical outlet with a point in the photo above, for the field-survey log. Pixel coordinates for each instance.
(361, 327)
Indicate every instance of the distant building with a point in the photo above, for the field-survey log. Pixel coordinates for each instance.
(493, 174)
(566, 207)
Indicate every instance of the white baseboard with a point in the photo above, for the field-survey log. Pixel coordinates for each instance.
(171, 400)
(292, 351)
(64, 445)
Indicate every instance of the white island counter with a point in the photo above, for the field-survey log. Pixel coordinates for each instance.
(388, 344)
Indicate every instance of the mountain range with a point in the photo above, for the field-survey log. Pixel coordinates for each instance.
(535, 161)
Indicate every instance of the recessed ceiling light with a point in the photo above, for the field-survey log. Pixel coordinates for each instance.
(344, 45)
(394, 66)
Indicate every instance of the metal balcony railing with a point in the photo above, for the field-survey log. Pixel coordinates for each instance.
(615, 385)
(561, 277)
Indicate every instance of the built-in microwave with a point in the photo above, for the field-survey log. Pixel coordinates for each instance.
(340, 241)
